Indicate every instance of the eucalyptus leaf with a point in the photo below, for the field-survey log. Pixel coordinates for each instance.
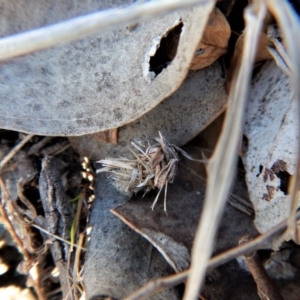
(199, 100)
(271, 156)
(97, 83)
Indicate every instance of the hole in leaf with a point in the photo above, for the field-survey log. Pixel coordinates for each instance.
(260, 170)
(264, 254)
(284, 177)
(166, 51)
(280, 168)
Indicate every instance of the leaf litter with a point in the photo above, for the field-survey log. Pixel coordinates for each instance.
(154, 165)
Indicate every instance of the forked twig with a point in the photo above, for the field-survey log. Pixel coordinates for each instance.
(7, 223)
(259, 242)
(266, 288)
(221, 166)
(289, 24)
(74, 29)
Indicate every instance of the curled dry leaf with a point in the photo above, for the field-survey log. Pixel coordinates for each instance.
(214, 41)
(262, 53)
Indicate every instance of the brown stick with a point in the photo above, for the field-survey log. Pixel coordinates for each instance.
(266, 288)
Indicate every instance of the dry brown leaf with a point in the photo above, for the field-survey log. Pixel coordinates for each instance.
(214, 41)
(108, 136)
(261, 54)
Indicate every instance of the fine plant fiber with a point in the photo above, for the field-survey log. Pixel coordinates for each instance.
(289, 24)
(74, 29)
(223, 162)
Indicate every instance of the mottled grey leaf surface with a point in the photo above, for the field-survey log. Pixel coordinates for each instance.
(199, 100)
(271, 128)
(119, 260)
(94, 84)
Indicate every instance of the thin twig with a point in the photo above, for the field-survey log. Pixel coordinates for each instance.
(73, 233)
(14, 150)
(77, 28)
(222, 163)
(75, 224)
(55, 236)
(70, 282)
(56, 148)
(234, 200)
(77, 258)
(7, 223)
(34, 149)
(9, 227)
(266, 288)
(12, 206)
(289, 24)
(53, 292)
(39, 289)
(259, 242)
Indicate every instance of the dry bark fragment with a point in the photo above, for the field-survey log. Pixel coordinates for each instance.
(57, 214)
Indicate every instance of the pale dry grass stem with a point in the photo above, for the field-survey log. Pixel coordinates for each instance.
(221, 166)
(289, 25)
(80, 27)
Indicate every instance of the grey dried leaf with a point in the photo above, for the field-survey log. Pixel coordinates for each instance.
(272, 137)
(180, 117)
(119, 261)
(93, 71)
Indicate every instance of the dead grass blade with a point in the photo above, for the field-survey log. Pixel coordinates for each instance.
(56, 237)
(260, 242)
(74, 29)
(222, 163)
(289, 24)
